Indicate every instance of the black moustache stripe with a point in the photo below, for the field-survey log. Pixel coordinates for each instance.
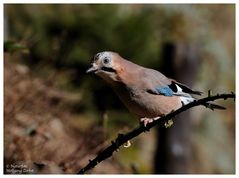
(108, 69)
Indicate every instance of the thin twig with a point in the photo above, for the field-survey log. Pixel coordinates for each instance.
(123, 138)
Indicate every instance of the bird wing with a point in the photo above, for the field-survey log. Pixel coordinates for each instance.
(158, 84)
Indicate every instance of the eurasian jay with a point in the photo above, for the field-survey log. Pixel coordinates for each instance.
(145, 92)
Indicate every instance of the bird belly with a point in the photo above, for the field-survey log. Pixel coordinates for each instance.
(144, 104)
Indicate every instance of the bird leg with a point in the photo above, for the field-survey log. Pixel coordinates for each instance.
(146, 120)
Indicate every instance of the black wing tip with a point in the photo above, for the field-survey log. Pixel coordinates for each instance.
(185, 88)
(197, 92)
(219, 107)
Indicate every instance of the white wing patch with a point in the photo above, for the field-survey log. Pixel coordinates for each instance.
(178, 88)
(185, 100)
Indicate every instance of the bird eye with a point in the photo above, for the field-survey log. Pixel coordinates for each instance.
(106, 60)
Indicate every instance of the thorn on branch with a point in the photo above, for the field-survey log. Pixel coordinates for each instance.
(146, 129)
(120, 135)
(209, 93)
(113, 143)
(93, 163)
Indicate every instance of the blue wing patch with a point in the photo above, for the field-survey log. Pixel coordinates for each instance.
(164, 90)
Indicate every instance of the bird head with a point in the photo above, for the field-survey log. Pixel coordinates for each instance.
(106, 65)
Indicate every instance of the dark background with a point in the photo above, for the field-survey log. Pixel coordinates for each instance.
(56, 117)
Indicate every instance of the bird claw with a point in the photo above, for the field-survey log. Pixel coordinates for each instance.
(145, 120)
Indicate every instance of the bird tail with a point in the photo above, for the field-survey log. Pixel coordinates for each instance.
(213, 106)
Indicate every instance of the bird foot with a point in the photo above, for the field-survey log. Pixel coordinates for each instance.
(145, 120)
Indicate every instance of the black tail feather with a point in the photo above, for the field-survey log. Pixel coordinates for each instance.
(184, 88)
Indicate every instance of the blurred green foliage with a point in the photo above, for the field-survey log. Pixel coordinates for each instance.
(61, 39)
(65, 37)
(11, 47)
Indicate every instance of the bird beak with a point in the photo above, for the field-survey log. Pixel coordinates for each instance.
(92, 69)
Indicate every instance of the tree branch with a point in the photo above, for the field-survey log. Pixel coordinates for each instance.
(123, 138)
